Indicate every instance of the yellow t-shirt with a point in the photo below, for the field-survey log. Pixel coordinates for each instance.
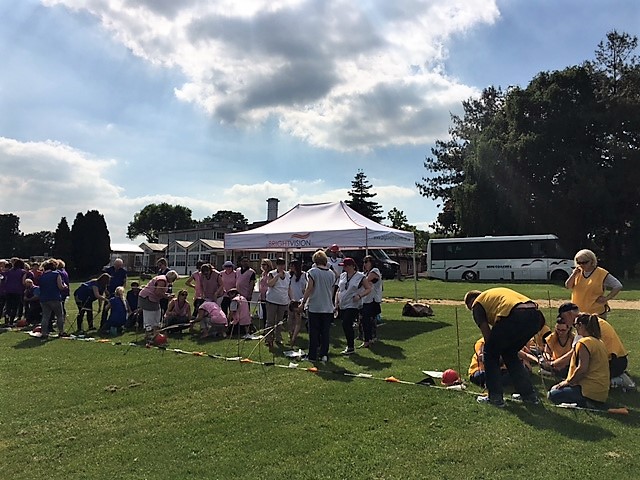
(611, 339)
(557, 350)
(538, 339)
(586, 290)
(476, 364)
(595, 385)
(498, 302)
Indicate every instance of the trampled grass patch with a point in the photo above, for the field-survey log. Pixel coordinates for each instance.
(74, 409)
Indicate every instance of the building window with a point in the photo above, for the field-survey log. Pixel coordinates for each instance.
(254, 257)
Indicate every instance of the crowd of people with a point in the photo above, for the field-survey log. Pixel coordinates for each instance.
(514, 335)
(583, 352)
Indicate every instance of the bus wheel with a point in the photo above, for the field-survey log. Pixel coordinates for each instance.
(559, 276)
(469, 276)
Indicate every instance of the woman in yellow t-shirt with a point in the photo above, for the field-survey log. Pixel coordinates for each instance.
(588, 380)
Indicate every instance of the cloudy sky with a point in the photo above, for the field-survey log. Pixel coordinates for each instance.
(115, 104)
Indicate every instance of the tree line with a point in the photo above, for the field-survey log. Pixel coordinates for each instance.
(85, 247)
(559, 156)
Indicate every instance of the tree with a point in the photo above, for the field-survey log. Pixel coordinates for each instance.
(233, 220)
(10, 228)
(155, 218)
(62, 245)
(91, 243)
(360, 198)
(398, 219)
(35, 244)
(559, 156)
(615, 59)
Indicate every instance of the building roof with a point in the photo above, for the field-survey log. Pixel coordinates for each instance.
(154, 247)
(125, 248)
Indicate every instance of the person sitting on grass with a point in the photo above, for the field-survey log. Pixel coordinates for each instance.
(477, 373)
(587, 383)
(558, 344)
(618, 361)
(212, 320)
(239, 316)
(135, 316)
(179, 310)
(117, 311)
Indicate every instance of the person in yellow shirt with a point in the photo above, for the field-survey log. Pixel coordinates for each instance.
(587, 383)
(618, 361)
(507, 320)
(588, 283)
(557, 344)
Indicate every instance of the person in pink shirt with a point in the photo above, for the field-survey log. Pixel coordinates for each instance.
(229, 279)
(212, 320)
(210, 283)
(246, 279)
(239, 313)
(178, 310)
(149, 300)
(194, 282)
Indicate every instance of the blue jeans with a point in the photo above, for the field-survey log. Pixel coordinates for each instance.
(319, 326)
(507, 338)
(567, 395)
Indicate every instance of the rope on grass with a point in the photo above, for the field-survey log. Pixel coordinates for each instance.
(316, 370)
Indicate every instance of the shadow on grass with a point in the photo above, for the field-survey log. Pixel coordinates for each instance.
(30, 342)
(404, 329)
(547, 417)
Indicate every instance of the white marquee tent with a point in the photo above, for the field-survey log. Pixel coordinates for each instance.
(319, 225)
(308, 227)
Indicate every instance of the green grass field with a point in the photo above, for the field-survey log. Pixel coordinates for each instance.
(91, 410)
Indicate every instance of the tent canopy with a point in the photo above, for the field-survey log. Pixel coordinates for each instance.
(319, 225)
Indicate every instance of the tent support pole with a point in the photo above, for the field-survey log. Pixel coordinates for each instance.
(415, 277)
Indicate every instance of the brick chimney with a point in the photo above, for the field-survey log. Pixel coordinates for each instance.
(272, 208)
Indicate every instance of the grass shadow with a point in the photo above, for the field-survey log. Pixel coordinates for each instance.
(547, 417)
(30, 342)
(404, 329)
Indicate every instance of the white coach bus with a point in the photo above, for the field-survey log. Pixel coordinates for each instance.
(515, 257)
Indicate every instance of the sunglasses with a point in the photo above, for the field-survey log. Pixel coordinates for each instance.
(184, 294)
(583, 262)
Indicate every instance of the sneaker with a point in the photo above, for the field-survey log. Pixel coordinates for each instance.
(365, 345)
(347, 351)
(617, 382)
(531, 398)
(324, 359)
(627, 382)
(483, 399)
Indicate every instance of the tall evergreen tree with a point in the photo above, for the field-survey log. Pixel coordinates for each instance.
(91, 243)
(63, 246)
(360, 198)
(10, 228)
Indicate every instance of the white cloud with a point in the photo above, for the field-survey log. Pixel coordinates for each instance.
(340, 74)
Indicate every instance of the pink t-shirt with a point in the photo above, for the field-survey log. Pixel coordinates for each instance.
(240, 311)
(214, 312)
(149, 291)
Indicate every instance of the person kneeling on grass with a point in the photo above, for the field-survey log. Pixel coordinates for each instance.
(213, 321)
(116, 311)
(178, 310)
(587, 384)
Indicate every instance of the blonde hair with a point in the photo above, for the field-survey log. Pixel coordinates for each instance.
(119, 292)
(586, 254)
(319, 258)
